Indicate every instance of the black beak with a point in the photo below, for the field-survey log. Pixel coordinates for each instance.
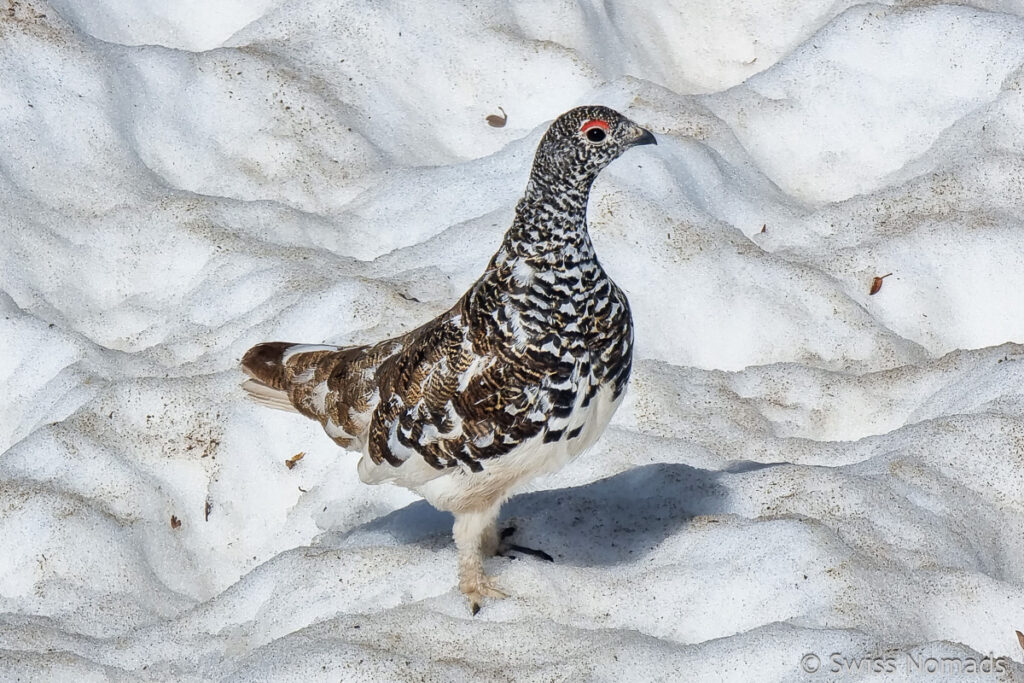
(646, 138)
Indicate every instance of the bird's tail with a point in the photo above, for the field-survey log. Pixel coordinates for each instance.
(271, 367)
(265, 364)
(267, 396)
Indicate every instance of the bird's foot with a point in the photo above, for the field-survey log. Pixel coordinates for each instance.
(505, 547)
(479, 587)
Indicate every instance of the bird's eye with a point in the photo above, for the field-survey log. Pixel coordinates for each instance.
(596, 130)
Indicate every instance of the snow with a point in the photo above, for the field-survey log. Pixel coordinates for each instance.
(800, 469)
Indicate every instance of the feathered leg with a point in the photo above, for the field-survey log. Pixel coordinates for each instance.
(473, 531)
(490, 539)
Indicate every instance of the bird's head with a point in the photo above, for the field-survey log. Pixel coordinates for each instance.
(582, 141)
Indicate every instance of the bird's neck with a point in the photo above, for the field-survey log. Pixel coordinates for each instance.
(545, 261)
(550, 218)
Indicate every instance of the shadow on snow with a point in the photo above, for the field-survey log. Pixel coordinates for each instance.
(609, 521)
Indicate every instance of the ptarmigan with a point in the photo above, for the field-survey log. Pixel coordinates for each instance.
(520, 376)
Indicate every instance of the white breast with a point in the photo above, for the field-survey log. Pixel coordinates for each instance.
(457, 490)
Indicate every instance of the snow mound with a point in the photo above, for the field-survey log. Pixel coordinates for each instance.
(807, 480)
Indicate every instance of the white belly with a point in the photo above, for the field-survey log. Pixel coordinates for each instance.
(457, 490)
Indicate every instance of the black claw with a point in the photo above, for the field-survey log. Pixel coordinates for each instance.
(508, 547)
(531, 551)
(474, 608)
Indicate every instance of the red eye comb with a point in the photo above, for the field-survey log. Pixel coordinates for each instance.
(595, 123)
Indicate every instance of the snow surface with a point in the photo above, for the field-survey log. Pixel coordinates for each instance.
(800, 468)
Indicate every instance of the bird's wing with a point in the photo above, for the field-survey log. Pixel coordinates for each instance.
(454, 397)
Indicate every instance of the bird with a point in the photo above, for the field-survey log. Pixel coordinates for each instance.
(521, 375)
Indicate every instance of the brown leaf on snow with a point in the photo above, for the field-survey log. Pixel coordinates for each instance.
(876, 284)
(290, 462)
(498, 121)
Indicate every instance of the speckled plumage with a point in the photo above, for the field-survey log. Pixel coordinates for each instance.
(518, 377)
